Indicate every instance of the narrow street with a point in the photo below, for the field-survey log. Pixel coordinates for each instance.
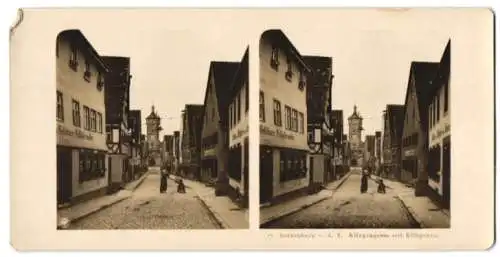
(148, 209)
(348, 208)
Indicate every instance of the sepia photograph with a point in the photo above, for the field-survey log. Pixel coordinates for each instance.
(252, 129)
(140, 146)
(354, 135)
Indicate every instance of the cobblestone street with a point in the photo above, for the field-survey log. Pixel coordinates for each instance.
(148, 209)
(348, 208)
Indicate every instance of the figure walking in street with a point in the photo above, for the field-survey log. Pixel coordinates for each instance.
(163, 180)
(364, 181)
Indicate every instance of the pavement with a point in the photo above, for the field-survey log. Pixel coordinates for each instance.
(348, 208)
(70, 214)
(140, 205)
(227, 213)
(277, 211)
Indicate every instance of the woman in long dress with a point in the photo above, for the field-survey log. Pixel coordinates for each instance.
(364, 182)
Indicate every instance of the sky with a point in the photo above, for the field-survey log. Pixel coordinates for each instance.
(169, 61)
(371, 67)
(170, 56)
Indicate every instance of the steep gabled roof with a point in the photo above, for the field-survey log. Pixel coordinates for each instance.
(423, 73)
(223, 74)
(79, 39)
(241, 74)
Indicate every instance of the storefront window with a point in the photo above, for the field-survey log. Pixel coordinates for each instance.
(91, 165)
(292, 165)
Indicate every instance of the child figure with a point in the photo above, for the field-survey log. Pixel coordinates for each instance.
(381, 187)
(181, 188)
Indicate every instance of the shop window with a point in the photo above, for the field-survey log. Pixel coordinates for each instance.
(292, 165)
(91, 165)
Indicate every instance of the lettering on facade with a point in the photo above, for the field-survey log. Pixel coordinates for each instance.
(239, 133)
(209, 152)
(410, 152)
(78, 133)
(275, 132)
(441, 131)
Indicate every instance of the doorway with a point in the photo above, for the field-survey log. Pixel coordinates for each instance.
(266, 174)
(446, 172)
(64, 175)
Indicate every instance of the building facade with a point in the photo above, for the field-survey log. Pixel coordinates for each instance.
(283, 117)
(168, 150)
(135, 125)
(214, 148)
(82, 169)
(378, 151)
(117, 90)
(369, 152)
(355, 140)
(153, 138)
(415, 127)
(191, 141)
(319, 119)
(439, 166)
(239, 103)
(176, 152)
(339, 155)
(391, 145)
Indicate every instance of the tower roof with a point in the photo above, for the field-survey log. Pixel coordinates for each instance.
(355, 114)
(153, 114)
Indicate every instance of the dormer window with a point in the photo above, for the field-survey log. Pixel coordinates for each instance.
(289, 72)
(87, 74)
(302, 81)
(73, 58)
(275, 57)
(100, 82)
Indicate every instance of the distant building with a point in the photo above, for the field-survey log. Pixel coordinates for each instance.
(136, 143)
(355, 141)
(117, 90)
(191, 141)
(378, 151)
(167, 146)
(176, 151)
(415, 127)
(319, 122)
(82, 167)
(440, 131)
(239, 104)
(283, 118)
(153, 138)
(391, 148)
(369, 151)
(339, 156)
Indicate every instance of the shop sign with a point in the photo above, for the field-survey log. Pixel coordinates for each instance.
(441, 131)
(275, 132)
(410, 152)
(78, 133)
(209, 152)
(239, 133)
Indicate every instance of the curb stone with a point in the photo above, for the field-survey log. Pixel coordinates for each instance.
(412, 213)
(213, 213)
(100, 208)
(292, 211)
(141, 179)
